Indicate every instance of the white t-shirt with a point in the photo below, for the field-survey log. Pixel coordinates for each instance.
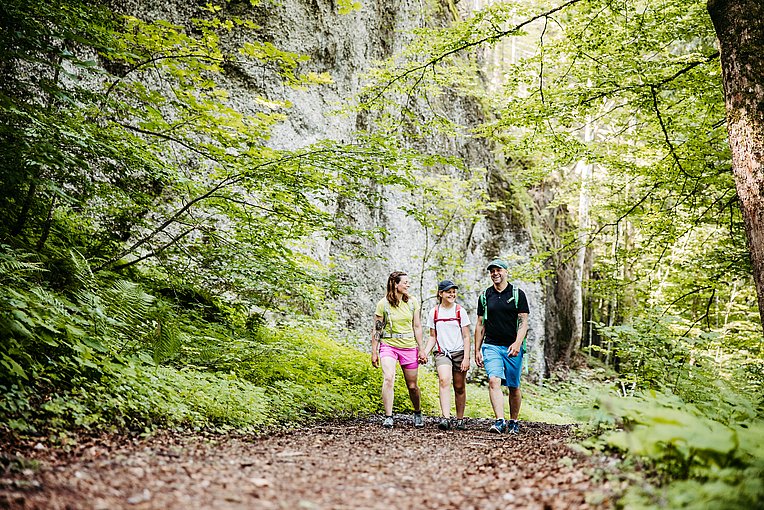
(449, 332)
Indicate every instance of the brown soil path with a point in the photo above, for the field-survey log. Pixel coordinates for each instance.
(350, 465)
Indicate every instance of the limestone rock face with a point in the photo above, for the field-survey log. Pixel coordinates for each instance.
(346, 46)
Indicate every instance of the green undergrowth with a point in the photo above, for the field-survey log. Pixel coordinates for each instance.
(288, 377)
(689, 439)
(693, 454)
(110, 354)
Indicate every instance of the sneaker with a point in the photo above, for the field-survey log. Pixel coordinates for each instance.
(460, 424)
(418, 421)
(498, 427)
(513, 427)
(444, 424)
(388, 423)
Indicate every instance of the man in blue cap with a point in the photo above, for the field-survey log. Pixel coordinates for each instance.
(502, 323)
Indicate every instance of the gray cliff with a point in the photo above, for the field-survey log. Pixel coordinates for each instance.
(345, 46)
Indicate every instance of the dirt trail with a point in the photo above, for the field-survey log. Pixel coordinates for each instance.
(349, 465)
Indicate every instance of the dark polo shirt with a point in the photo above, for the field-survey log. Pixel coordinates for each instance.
(501, 326)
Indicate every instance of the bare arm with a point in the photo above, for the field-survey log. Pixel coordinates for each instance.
(376, 334)
(479, 332)
(466, 338)
(430, 343)
(417, 323)
(522, 330)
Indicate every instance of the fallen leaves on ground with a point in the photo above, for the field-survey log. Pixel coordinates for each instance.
(338, 465)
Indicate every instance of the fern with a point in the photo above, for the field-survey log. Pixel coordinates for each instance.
(83, 274)
(721, 460)
(50, 300)
(166, 341)
(14, 270)
(129, 310)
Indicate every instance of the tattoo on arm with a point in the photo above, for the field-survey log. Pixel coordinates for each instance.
(378, 329)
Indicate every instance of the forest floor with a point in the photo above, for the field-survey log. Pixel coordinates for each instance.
(339, 465)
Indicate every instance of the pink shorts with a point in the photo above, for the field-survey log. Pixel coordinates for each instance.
(407, 357)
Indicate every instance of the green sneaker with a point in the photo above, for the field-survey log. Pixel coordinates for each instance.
(445, 424)
(460, 424)
(388, 423)
(418, 421)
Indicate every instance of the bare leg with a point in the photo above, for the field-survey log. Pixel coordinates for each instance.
(460, 392)
(444, 390)
(388, 382)
(496, 396)
(410, 375)
(515, 399)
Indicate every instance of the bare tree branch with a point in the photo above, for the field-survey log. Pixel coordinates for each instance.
(155, 251)
(152, 60)
(672, 150)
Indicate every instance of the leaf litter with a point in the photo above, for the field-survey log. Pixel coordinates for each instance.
(339, 465)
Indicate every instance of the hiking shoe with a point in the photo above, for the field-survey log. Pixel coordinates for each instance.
(418, 421)
(444, 424)
(388, 423)
(460, 425)
(513, 427)
(498, 427)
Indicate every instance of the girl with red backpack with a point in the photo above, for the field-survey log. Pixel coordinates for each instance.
(450, 338)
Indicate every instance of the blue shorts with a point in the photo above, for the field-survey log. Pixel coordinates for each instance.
(498, 363)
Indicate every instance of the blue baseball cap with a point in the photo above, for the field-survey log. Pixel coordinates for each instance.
(447, 285)
(498, 263)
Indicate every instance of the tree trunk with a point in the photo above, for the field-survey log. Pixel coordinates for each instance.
(583, 170)
(564, 314)
(562, 320)
(739, 26)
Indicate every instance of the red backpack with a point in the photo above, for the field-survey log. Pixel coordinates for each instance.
(435, 321)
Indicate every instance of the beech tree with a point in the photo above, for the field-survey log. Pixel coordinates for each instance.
(739, 27)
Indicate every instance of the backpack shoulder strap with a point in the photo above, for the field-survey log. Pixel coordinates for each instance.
(485, 305)
(435, 328)
(387, 318)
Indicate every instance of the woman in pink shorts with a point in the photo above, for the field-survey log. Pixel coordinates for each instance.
(397, 338)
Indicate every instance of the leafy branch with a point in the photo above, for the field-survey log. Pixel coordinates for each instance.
(460, 47)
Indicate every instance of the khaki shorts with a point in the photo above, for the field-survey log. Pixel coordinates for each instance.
(453, 359)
